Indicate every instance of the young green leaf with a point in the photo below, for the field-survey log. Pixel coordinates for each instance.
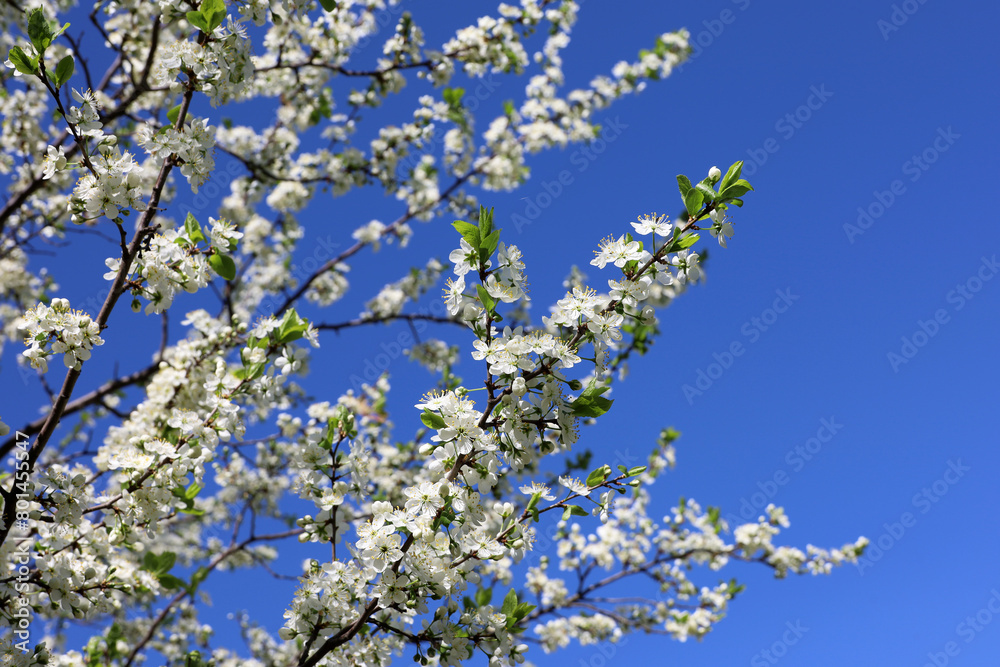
(684, 185)
(223, 265)
(737, 189)
(598, 476)
(488, 303)
(468, 231)
(22, 63)
(488, 245)
(214, 12)
(193, 229)
(292, 327)
(170, 582)
(693, 201)
(64, 70)
(534, 501)
(432, 420)
(328, 5)
(39, 30)
(590, 403)
(198, 21)
(509, 603)
(485, 221)
(685, 241)
(174, 114)
(731, 176)
(707, 192)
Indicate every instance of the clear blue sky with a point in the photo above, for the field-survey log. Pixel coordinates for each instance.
(902, 126)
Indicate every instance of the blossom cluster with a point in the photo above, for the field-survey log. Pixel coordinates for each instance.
(58, 329)
(179, 470)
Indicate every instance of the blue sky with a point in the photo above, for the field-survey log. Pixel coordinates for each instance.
(866, 407)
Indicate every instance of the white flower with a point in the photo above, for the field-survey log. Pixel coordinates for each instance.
(465, 258)
(721, 228)
(653, 224)
(55, 160)
(618, 251)
(575, 486)
(535, 487)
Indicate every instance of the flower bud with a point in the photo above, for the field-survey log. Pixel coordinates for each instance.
(714, 174)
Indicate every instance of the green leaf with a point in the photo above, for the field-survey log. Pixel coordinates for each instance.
(468, 231)
(39, 30)
(519, 612)
(214, 12)
(64, 70)
(193, 229)
(171, 582)
(292, 327)
(509, 603)
(692, 202)
(706, 190)
(453, 97)
(483, 596)
(486, 299)
(488, 245)
(597, 477)
(158, 565)
(174, 114)
(590, 403)
(22, 63)
(534, 501)
(574, 510)
(737, 189)
(328, 5)
(223, 265)
(199, 576)
(198, 21)
(638, 470)
(685, 241)
(485, 221)
(731, 175)
(683, 184)
(432, 420)
(60, 31)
